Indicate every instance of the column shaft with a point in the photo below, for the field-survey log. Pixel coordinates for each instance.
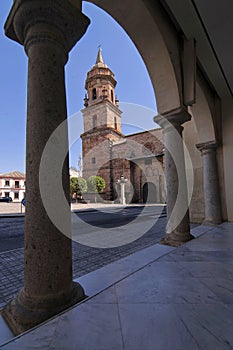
(48, 31)
(46, 110)
(178, 226)
(211, 183)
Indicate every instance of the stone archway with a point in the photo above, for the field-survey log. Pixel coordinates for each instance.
(161, 49)
(149, 193)
(202, 115)
(48, 33)
(155, 40)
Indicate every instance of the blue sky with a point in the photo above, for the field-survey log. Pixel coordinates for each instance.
(134, 86)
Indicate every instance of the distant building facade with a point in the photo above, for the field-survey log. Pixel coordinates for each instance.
(13, 185)
(74, 172)
(108, 153)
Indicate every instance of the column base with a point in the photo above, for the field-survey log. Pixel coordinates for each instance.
(176, 239)
(23, 312)
(211, 222)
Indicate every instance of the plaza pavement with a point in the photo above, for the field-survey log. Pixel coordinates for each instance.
(16, 209)
(159, 298)
(85, 258)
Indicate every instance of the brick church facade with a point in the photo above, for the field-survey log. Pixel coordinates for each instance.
(110, 154)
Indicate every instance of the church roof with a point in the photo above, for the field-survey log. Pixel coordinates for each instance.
(99, 60)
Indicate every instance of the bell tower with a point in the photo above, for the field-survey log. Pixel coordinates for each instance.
(101, 118)
(100, 102)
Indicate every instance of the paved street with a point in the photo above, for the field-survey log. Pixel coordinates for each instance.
(85, 258)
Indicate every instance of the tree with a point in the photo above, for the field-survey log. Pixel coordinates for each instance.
(78, 185)
(95, 184)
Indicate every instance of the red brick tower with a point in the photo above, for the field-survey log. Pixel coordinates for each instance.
(102, 123)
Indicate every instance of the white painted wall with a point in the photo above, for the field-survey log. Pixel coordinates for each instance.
(12, 190)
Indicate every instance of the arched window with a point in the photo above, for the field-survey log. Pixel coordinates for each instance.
(94, 94)
(112, 96)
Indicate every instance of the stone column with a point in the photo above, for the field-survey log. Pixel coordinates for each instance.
(178, 226)
(48, 30)
(211, 185)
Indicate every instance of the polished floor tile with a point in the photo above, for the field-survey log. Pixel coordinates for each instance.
(154, 327)
(164, 291)
(157, 299)
(210, 325)
(222, 288)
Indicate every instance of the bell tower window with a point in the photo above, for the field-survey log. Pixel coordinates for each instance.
(115, 122)
(112, 96)
(94, 94)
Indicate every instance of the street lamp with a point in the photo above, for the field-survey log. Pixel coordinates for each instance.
(122, 181)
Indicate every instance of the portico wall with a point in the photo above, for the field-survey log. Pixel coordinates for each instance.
(161, 50)
(227, 154)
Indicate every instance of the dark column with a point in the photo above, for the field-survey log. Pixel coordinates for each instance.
(48, 30)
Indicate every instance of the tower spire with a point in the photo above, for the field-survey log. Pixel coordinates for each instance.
(99, 58)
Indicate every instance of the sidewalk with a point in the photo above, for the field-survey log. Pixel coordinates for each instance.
(160, 298)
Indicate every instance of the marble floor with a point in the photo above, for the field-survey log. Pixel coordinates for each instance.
(160, 298)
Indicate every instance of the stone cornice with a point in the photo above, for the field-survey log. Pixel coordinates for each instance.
(175, 117)
(208, 146)
(102, 129)
(100, 75)
(108, 104)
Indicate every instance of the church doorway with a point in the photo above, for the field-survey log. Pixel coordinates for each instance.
(149, 193)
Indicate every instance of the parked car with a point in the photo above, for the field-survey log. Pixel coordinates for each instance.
(6, 199)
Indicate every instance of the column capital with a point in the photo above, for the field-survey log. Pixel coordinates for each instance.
(173, 118)
(207, 147)
(35, 21)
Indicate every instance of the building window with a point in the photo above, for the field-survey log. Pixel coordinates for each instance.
(7, 194)
(112, 96)
(16, 195)
(115, 122)
(94, 121)
(7, 183)
(16, 184)
(93, 160)
(94, 94)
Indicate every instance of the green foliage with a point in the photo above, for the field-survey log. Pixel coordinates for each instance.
(78, 185)
(95, 184)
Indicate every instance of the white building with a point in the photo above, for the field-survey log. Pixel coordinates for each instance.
(13, 185)
(74, 172)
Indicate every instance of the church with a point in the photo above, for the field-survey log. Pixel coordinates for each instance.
(107, 152)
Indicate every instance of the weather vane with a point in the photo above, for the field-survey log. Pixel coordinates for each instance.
(99, 46)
